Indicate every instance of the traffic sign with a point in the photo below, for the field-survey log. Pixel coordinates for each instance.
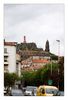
(50, 82)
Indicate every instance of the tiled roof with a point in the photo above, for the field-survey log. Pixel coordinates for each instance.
(40, 61)
(10, 43)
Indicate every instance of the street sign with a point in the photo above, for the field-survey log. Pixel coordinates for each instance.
(50, 82)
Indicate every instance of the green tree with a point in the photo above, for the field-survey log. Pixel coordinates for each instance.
(41, 76)
(61, 73)
(9, 79)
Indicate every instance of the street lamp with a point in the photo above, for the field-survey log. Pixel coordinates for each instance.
(58, 51)
(58, 48)
(58, 58)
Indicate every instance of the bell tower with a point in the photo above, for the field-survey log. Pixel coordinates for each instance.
(47, 48)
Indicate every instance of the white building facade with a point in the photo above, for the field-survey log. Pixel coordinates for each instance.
(10, 57)
(18, 64)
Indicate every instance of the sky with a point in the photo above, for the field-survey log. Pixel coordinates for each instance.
(38, 22)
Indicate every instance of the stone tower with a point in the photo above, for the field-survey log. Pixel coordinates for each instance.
(24, 39)
(47, 49)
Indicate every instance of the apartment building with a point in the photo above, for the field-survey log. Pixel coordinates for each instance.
(18, 64)
(10, 57)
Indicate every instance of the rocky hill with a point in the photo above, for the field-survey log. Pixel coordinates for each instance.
(29, 49)
(27, 46)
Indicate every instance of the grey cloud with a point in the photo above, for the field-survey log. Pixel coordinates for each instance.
(38, 22)
(19, 13)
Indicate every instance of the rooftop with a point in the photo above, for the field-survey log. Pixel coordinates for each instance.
(40, 61)
(10, 43)
(35, 53)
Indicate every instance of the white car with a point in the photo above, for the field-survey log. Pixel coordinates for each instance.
(16, 92)
(30, 91)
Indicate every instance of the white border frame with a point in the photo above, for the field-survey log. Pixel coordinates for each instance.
(2, 2)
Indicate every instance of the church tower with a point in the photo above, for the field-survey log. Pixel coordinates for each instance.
(47, 49)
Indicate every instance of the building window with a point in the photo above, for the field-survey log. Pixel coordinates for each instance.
(5, 50)
(5, 59)
(5, 68)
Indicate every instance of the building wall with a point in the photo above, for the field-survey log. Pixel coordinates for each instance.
(18, 58)
(39, 64)
(18, 64)
(18, 68)
(11, 51)
(41, 57)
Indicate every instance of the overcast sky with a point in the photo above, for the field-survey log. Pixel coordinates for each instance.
(38, 22)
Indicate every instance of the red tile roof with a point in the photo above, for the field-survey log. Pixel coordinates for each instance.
(10, 43)
(40, 61)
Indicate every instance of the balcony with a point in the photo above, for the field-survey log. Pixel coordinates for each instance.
(6, 54)
(6, 63)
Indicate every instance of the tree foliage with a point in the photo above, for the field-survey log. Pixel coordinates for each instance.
(53, 56)
(42, 76)
(61, 73)
(9, 79)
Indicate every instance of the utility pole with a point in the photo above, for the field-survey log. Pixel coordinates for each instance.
(58, 48)
(58, 59)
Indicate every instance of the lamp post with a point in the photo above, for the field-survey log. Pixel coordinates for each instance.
(58, 48)
(58, 59)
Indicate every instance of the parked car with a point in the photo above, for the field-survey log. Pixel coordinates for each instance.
(61, 93)
(5, 91)
(16, 92)
(23, 89)
(30, 91)
(45, 90)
